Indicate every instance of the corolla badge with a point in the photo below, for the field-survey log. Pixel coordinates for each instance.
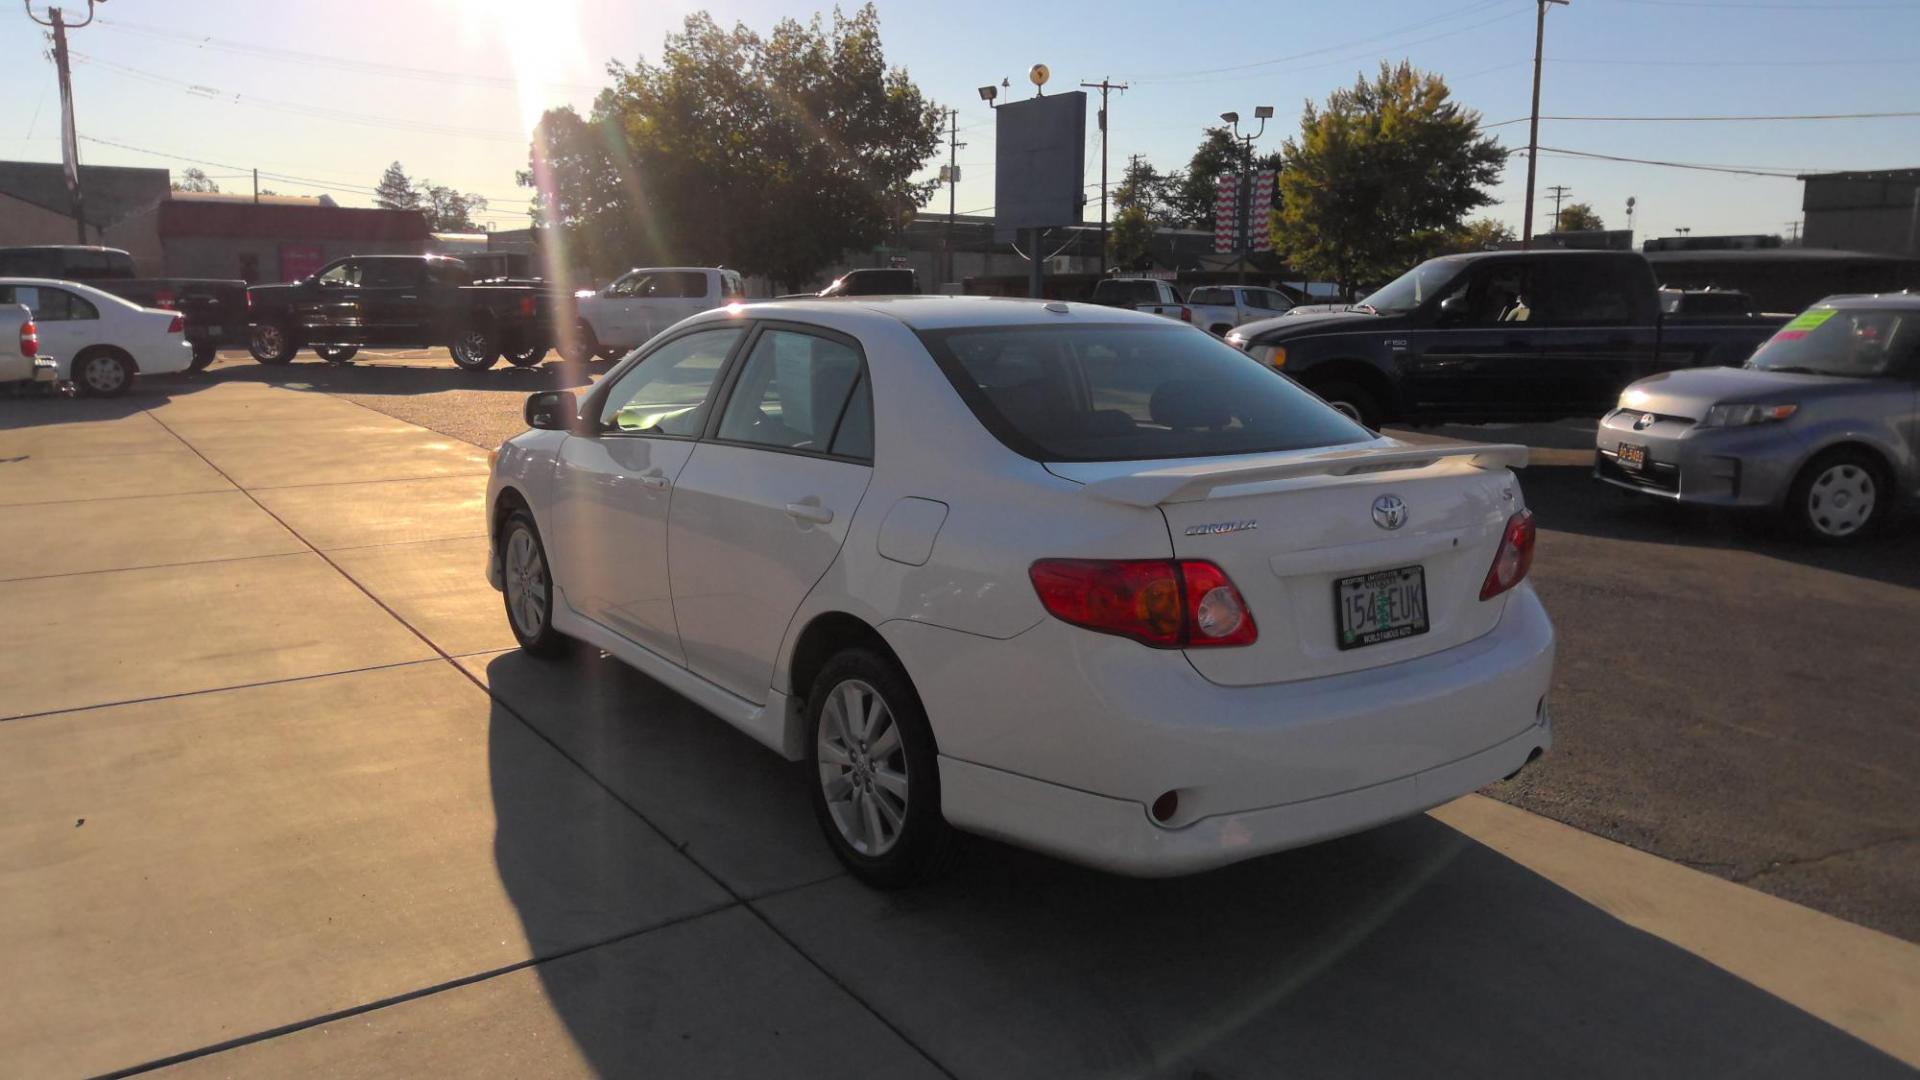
(1215, 528)
(1389, 511)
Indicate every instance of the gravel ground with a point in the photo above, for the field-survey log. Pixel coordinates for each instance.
(1724, 697)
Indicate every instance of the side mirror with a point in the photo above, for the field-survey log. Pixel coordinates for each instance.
(1451, 309)
(553, 410)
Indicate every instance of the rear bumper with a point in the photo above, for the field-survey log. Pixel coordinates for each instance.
(46, 370)
(1061, 740)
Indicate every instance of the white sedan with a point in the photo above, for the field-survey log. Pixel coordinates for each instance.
(1077, 578)
(101, 341)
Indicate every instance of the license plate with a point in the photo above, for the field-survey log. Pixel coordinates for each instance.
(1632, 457)
(1383, 606)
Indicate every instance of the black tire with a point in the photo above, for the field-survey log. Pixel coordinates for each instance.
(1219, 330)
(271, 343)
(336, 354)
(476, 348)
(1824, 504)
(528, 357)
(204, 354)
(582, 347)
(532, 622)
(102, 373)
(915, 845)
(1352, 400)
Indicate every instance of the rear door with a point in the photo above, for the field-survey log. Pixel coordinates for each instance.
(694, 292)
(1595, 333)
(392, 305)
(762, 507)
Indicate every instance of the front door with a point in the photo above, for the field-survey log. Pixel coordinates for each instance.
(613, 488)
(1476, 358)
(761, 510)
(328, 311)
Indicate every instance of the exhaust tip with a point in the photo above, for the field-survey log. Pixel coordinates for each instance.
(1165, 807)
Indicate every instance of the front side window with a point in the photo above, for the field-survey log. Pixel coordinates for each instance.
(1128, 393)
(1412, 289)
(346, 273)
(792, 392)
(667, 392)
(1858, 342)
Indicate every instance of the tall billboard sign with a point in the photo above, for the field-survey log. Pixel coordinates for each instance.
(1040, 168)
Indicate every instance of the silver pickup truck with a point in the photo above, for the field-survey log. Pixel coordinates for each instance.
(20, 359)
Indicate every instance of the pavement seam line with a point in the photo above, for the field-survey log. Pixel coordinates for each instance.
(153, 566)
(411, 995)
(679, 848)
(221, 689)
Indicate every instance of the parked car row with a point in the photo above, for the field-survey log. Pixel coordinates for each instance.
(214, 309)
(101, 343)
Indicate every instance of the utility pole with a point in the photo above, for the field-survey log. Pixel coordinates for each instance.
(69, 140)
(1793, 234)
(952, 178)
(1533, 124)
(256, 187)
(1558, 193)
(1103, 86)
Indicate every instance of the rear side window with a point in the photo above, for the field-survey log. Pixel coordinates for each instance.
(49, 305)
(1582, 292)
(686, 284)
(792, 392)
(734, 288)
(29, 263)
(1213, 296)
(1128, 393)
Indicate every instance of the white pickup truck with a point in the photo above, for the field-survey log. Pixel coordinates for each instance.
(640, 303)
(1150, 295)
(1220, 308)
(20, 359)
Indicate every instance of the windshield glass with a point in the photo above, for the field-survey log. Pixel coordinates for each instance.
(1411, 289)
(1858, 342)
(1126, 393)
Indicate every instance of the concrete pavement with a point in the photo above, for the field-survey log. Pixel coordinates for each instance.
(276, 798)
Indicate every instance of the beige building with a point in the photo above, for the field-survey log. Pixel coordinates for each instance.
(1877, 211)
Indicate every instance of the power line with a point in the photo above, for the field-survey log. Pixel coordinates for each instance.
(1836, 62)
(1769, 7)
(1778, 174)
(1716, 119)
(371, 67)
(284, 178)
(1422, 24)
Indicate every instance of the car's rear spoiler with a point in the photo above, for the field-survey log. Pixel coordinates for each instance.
(1191, 483)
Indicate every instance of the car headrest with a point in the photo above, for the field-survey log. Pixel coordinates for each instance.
(1184, 404)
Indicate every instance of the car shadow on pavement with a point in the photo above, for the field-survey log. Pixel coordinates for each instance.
(1410, 949)
(1567, 498)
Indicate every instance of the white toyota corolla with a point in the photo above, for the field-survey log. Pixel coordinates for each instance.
(1077, 578)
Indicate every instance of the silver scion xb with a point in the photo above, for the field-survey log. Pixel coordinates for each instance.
(1822, 424)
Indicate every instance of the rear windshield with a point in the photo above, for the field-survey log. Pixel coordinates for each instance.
(1129, 393)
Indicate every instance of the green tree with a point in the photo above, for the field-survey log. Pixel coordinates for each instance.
(195, 180)
(395, 191)
(1143, 186)
(1193, 191)
(1576, 216)
(448, 210)
(1381, 177)
(1129, 240)
(771, 154)
(1483, 234)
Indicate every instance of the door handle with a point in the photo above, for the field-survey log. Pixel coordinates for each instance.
(655, 480)
(409, 296)
(813, 512)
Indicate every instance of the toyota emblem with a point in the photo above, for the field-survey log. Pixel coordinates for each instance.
(1389, 511)
(1645, 421)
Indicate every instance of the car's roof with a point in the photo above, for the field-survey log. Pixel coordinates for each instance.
(1901, 300)
(939, 312)
(81, 287)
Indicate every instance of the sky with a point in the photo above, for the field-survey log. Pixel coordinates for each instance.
(323, 95)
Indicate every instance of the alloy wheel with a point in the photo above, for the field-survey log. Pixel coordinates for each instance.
(267, 339)
(863, 768)
(527, 586)
(1841, 500)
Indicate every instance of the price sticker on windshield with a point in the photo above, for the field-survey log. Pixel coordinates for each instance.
(1805, 323)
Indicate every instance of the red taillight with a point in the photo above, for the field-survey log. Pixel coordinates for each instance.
(178, 325)
(163, 299)
(1514, 559)
(249, 299)
(1186, 314)
(29, 339)
(1158, 602)
(528, 307)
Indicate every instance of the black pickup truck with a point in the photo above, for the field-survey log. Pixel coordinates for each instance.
(213, 309)
(1498, 336)
(403, 301)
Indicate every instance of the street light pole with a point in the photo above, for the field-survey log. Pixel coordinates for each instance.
(1533, 124)
(1244, 211)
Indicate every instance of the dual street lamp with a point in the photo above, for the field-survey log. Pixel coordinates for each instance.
(1262, 113)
